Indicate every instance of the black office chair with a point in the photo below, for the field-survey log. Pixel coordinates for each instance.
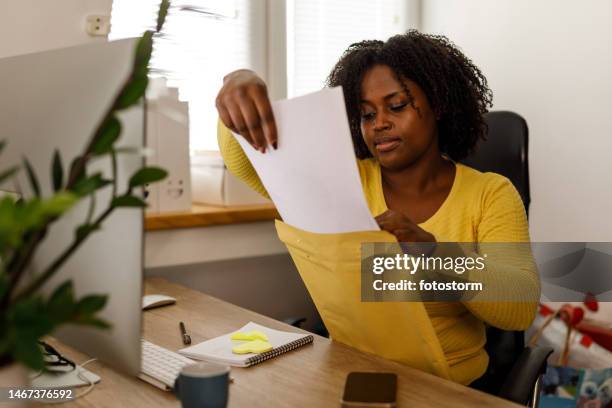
(514, 371)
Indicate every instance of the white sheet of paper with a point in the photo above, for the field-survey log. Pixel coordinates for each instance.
(313, 178)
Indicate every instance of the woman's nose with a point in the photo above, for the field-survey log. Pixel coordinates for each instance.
(381, 122)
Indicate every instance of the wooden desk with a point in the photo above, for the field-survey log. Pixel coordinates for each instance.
(312, 376)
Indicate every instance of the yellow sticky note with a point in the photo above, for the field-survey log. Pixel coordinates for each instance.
(240, 336)
(257, 335)
(252, 335)
(254, 346)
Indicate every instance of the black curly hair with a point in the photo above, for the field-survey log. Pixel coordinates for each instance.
(455, 88)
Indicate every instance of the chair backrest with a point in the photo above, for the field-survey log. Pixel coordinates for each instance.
(503, 152)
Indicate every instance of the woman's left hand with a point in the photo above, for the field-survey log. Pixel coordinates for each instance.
(403, 228)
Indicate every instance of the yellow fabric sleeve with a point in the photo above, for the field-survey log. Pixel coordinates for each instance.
(510, 268)
(236, 161)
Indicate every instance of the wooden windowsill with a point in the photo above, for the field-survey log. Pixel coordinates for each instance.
(205, 215)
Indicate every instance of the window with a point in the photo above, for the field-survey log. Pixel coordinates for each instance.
(291, 43)
(202, 40)
(318, 31)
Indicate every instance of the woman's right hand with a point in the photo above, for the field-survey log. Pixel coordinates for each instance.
(244, 107)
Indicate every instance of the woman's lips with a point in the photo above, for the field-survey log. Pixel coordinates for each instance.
(387, 145)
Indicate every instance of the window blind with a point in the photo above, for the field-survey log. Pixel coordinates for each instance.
(318, 31)
(202, 40)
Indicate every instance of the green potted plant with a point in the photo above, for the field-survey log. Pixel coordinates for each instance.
(26, 315)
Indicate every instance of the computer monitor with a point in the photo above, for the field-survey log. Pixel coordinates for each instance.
(55, 99)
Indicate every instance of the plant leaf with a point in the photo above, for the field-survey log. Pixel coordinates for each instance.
(5, 342)
(147, 175)
(161, 15)
(91, 304)
(11, 225)
(144, 48)
(63, 291)
(106, 136)
(61, 305)
(90, 184)
(73, 170)
(8, 206)
(30, 319)
(32, 177)
(84, 230)
(57, 171)
(2, 145)
(29, 213)
(132, 92)
(59, 203)
(3, 285)
(128, 201)
(27, 352)
(8, 173)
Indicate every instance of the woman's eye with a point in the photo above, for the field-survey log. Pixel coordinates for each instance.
(398, 107)
(367, 116)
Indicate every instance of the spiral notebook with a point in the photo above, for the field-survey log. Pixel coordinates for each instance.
(219, 349)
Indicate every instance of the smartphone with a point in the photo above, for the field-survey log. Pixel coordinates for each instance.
(370, 390)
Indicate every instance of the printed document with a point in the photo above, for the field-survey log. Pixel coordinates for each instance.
(313, 178)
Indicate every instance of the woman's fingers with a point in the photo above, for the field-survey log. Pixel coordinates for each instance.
(253, 124)
(239, 123)
(403, 228)
(244, 107)
(227, 110)
(406, 235)
(262, 104)
(393, 220)
(382, 218)
(416, 234)
(226, 118)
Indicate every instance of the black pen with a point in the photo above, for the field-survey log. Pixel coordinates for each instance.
(184, 335)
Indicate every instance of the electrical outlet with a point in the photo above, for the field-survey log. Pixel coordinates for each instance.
(98, 25)
(175, 188)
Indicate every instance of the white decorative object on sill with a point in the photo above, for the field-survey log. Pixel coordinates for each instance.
(168, 137)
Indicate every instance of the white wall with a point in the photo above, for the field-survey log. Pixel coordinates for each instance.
(550, 61)
(270, 285)
(36, 25)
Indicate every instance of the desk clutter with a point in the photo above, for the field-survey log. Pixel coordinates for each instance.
(249, 345)
(153, 301)
(580, 371)
(320, 370)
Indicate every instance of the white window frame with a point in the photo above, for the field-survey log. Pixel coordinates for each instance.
(276, 74)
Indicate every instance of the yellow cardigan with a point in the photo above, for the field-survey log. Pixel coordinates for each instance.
(481, 207)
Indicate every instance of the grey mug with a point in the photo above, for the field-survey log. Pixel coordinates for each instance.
(203, 385)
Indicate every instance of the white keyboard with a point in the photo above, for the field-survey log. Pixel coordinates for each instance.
(161, 366)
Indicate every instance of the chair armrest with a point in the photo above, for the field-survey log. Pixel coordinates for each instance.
(519, 384)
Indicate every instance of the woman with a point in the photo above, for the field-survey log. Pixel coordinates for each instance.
(415, 105)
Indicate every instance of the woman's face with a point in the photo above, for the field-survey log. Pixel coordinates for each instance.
(397, 134)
